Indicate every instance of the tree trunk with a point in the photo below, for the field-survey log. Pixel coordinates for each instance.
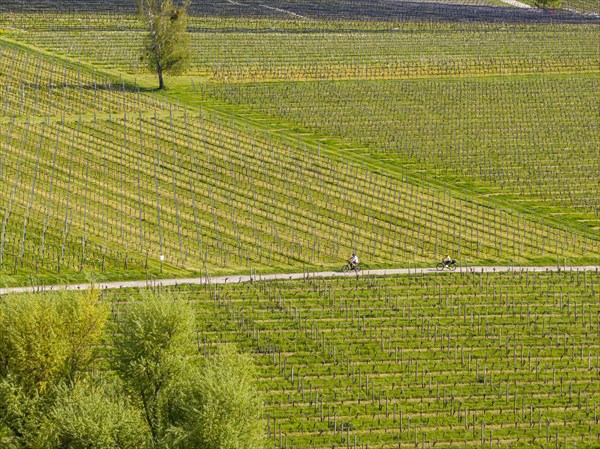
(161, 83)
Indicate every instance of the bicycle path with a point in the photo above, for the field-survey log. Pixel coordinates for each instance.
(287, 276)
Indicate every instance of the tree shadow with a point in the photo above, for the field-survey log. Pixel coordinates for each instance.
(121, 86)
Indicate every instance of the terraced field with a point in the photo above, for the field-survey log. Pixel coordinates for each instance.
(461, 360)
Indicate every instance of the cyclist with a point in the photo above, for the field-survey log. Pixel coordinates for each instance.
(448, 260)
(353, 261)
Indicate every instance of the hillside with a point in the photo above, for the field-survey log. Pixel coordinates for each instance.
(116, 179)
(105, 178)
(305, 131)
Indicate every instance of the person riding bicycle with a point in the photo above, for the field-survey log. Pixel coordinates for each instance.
(448, 260)
(353, 261)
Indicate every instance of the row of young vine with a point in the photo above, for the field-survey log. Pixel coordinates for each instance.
(464, 360)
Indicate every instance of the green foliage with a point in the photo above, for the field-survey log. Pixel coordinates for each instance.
(167, 43)
(228, 404)
(48, 339)
(84, 415)
(164, 395)
(31, 361)
(46, 343)
(90, 415)
(154, 355)
(21, 412)
(83, 325)
(186, 402)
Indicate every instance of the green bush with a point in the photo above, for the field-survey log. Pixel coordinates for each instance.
(57, 388)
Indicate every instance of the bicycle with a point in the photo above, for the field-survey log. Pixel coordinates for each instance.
(358, 268)
(450, 265)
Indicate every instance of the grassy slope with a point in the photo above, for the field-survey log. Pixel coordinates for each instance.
(530, 141)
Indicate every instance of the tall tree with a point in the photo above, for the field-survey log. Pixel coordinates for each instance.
(48, 344)
(154, 355)
(188, 402)
(167, 45)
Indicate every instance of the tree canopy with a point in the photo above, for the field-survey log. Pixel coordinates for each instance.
(167, 45)
(72, 376)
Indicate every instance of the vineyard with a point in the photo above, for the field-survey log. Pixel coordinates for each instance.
(531, 140)
(586, 6)
(229, 50)
(494, 11)
(467, 360)
(305, 131)
(104, 187)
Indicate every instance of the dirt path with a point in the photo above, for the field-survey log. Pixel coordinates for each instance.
(266, 277)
